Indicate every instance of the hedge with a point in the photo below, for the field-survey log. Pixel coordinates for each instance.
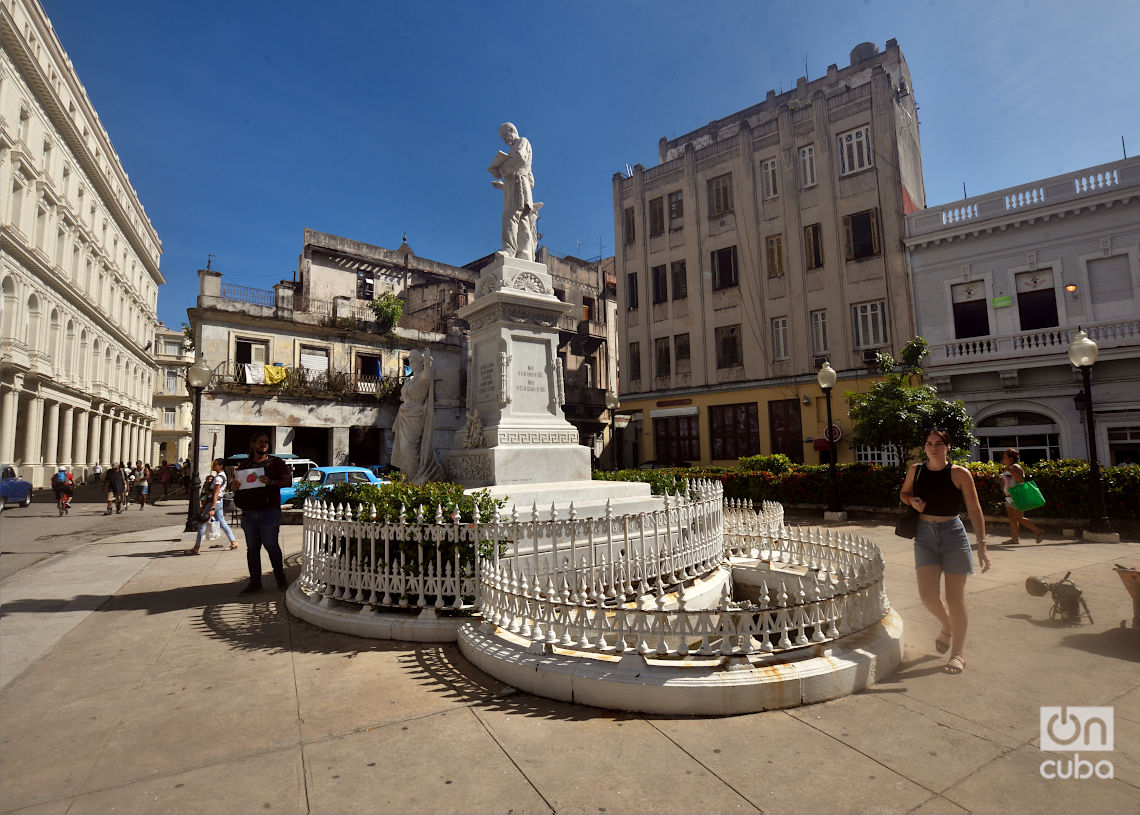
(1064, 483)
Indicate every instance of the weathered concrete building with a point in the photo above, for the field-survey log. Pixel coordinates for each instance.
(763, 244)
(79, 268)
(307, 362)
(1002, 281)
(172, 403)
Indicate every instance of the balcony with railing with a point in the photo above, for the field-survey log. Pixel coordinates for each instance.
(1032, 344)
(303, 383)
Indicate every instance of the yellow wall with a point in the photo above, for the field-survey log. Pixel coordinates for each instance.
(813, 416)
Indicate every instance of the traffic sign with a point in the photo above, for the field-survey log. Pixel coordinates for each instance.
(833, 433)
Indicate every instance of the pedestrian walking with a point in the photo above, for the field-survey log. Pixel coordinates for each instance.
(116, 487)
(941, 548)
(1015, 475)
(213, 507)
(164, 479)
(142, 483)
(259, 496)
(98, 472)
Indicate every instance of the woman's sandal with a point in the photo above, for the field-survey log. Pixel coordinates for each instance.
(1040, 535)
(942, 645)
(193, 551)
(233, 545)
(955, 666)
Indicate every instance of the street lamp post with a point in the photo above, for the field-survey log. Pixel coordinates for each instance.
(612, 403)
(197, 378)
(826, 379)
(1083, 353)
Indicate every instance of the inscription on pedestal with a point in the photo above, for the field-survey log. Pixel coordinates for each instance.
(530, 382)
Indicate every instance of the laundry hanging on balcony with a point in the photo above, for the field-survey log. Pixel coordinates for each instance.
(274, 374)
(253, 373)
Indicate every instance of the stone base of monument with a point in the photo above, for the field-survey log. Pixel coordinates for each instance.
(694, 686)
(511, 464)
(410, 625)
(588, 498)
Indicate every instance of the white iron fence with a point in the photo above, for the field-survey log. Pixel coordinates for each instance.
(608, 584)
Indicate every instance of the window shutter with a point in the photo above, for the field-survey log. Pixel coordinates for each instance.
(848, 242)
(875, 230)
(260, 353)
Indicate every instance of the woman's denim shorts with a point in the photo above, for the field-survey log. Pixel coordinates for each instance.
(943, 543)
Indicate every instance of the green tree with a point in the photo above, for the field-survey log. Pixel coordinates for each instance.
(187, 338)
(896, 412)
(388, 309)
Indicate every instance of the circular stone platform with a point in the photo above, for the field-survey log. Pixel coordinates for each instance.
(694, 686)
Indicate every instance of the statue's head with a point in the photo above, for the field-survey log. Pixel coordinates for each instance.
(416, 360)
(508, 132)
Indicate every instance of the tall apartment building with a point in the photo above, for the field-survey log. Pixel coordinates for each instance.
(761, 245)
(1002, 282)
(172, 430)
(79, 268)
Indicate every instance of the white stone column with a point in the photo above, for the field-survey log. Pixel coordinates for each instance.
(148, 445)
(116, 439)
(51, 424)
(9, 405)
(66, 436)
(33, 431)
(81, 426)
(103, 440)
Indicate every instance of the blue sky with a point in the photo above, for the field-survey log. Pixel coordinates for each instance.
(242, 122)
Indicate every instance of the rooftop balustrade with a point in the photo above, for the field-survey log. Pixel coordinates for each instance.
(1013, 200)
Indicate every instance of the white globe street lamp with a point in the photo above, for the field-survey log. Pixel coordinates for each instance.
(1083, 353)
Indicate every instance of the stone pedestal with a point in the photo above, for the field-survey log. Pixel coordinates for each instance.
(515, 384)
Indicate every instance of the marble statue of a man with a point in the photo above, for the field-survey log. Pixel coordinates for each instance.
(413, 452)
(512, 174)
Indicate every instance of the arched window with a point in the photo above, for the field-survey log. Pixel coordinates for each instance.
(53, 338)
(82, 371)
(69, 349)
(1035, 436)
(8, 322)
(32, 327)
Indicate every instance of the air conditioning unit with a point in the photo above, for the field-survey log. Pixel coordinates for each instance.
(870, 357)
(817, 362)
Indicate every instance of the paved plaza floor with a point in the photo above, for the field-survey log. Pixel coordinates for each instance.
(134, 679)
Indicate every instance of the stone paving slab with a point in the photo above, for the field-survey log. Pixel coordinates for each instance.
(163, 691)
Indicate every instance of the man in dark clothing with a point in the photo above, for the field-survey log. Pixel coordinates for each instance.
(116, 487)
(261, 509)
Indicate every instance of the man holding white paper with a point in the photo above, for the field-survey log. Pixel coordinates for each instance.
(257, 491)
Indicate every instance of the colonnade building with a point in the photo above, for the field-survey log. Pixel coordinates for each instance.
(79, 269)
(762, 245)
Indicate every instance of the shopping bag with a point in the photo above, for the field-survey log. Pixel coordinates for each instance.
(1026, 495)
(213, 530)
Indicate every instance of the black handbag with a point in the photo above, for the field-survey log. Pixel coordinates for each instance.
(907, 527)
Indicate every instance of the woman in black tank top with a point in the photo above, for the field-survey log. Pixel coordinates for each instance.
(937, 490)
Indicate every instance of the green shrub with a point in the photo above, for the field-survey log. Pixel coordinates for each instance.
(775, 463)
(390, 498)
(1064, 483)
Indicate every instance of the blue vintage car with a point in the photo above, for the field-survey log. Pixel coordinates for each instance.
(13, 489)
(327, 476)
